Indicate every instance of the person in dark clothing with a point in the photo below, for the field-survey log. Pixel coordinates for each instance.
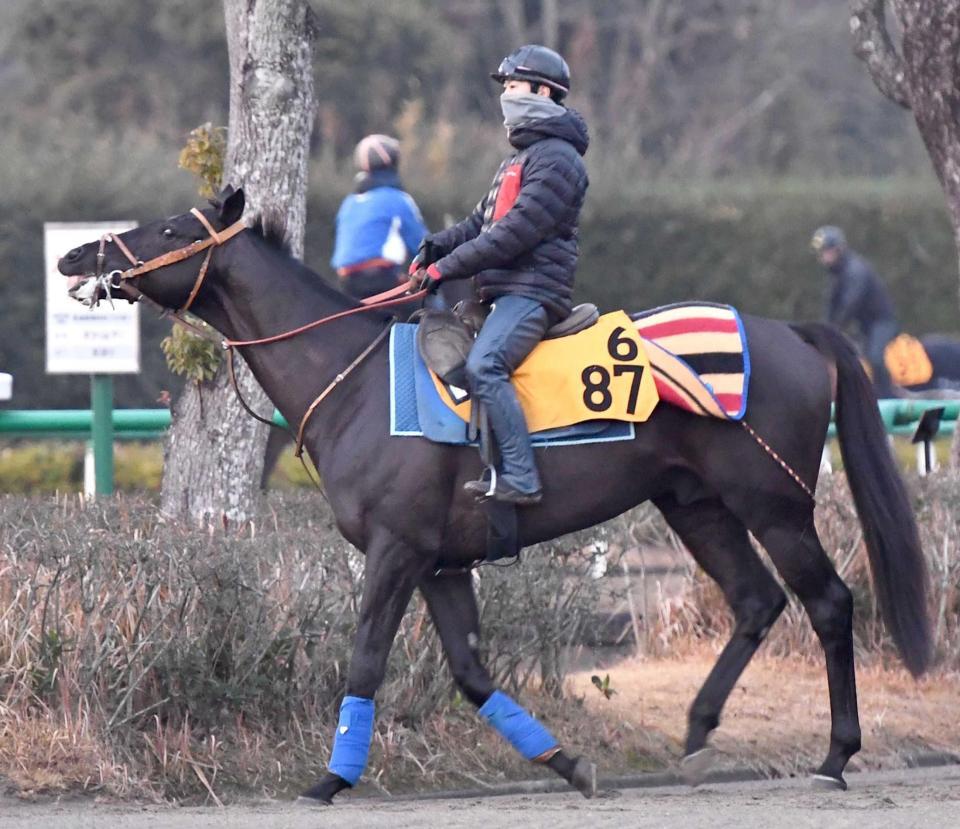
(520, 245)
(858, 297)
(379, 226)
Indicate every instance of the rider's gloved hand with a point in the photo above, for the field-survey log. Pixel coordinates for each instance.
(426, 256)
(426, 279)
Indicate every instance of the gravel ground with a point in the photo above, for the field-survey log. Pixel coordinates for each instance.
(904, 798)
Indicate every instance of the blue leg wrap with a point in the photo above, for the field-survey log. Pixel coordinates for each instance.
(521, 730)
(351, 743)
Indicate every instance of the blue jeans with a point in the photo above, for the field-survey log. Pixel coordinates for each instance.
(515, 325)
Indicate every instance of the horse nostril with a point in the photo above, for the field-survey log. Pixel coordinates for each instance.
(73, 254)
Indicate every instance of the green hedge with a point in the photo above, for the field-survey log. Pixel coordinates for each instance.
(43, 467)
(747, 245)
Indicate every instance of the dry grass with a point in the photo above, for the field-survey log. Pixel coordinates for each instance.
(143, 658)
(138, 658)
(698, 614)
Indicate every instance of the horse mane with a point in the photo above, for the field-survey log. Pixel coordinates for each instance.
(271, 226)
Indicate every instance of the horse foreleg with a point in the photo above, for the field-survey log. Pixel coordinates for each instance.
(718, 540)
(453, 607)
(391, 572)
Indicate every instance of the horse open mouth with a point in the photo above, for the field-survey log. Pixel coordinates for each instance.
(85, 288)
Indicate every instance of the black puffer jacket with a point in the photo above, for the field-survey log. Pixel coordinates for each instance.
(522, 237)
(858, 295)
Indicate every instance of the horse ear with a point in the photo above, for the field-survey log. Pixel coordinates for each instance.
(231, 205)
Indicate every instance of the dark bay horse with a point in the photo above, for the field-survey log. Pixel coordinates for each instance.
(400, 500)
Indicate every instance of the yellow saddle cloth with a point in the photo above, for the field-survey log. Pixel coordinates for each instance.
(907, 361)
(600, 373)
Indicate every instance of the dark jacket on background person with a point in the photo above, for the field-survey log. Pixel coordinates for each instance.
(522, 236)
(858, 295)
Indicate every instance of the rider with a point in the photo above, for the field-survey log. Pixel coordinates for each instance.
(378, 225)
(520, 243)
(858, 296)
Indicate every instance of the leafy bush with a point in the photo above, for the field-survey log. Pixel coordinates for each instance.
(41, 467)
(38, 467)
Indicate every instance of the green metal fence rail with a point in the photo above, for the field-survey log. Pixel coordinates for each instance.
(899, 416)
(134, 424)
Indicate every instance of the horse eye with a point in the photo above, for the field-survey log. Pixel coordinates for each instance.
(168, 232)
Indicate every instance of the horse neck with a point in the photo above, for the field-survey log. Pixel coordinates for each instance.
(259, 292)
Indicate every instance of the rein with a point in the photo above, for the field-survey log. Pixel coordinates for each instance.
(387, 299)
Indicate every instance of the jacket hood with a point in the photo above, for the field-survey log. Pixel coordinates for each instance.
(364, 181)
(570, 127)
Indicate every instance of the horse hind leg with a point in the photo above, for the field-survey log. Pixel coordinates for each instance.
(453, 607)
(796, 551)
(718, 541)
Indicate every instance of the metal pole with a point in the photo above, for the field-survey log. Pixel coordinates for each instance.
(101, 400)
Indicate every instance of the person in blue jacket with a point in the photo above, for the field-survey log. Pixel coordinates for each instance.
(379, 227)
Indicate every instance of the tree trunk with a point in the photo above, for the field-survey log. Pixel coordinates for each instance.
(923, 77)
(214, 451)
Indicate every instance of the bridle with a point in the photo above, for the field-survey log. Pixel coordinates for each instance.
(117, 278)
(120, 280)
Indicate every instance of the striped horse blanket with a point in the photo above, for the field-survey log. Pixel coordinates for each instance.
(699, 357)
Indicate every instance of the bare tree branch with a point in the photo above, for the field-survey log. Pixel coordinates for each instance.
(873, 45)
(515, 20)
(551, 23)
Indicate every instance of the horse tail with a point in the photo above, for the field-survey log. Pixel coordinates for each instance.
(890, 531)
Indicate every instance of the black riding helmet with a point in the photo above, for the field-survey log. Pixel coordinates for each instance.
(536, 64)
(828, 236)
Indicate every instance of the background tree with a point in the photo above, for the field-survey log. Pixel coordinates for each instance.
(923, 75)
(214, 451)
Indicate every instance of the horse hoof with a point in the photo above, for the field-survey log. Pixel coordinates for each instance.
(584, 777)
(306, 800)
(321, 793)
(827, 783)
(695, 767)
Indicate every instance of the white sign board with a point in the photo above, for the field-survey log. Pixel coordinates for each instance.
(82, 340)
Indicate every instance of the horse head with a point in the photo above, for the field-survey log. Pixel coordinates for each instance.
(165, 260)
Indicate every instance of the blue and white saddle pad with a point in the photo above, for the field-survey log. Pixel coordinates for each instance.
(417, 410)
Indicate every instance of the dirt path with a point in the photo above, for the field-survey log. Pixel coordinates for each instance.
(777, 718)
(904, 798)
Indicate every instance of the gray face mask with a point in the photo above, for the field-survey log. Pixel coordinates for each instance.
(521, 110)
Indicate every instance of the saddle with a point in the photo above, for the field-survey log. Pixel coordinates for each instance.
(444, 340)
(444, 337)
